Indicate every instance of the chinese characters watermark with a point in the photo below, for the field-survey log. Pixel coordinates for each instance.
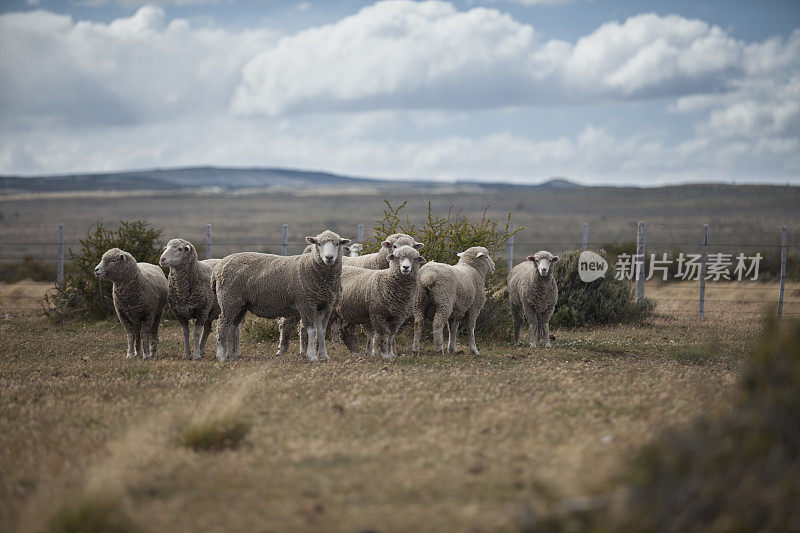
(719, 266)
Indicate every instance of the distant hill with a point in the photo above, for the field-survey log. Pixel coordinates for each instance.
(233, 179)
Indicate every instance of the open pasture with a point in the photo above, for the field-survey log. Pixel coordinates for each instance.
(431, 442)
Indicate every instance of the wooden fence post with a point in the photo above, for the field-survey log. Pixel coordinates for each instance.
(585, 236)
(360, 233)
(704, 243)
(511, 249)
(640, 256)
(208, 241)
(783, 271)
(60, 273)
(285, 241)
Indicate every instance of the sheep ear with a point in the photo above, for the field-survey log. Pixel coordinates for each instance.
(555, 258)
(460, 254)
(311, 240)
(418, 246)
(531, 258)
(345, 242)
(122, 257)
(422, 260)
(390, 257)
(386, 244)
(480, 254)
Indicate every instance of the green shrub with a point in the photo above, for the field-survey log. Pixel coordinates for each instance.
(82, 293)
(92, 513)
(216, 431)
(605, 300)
(444, 237)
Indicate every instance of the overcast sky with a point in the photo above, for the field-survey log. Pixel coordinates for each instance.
(631, 92)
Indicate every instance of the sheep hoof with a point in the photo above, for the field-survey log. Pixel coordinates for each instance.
(474, 351)
(197, 357)
(280, 352)
(548, 345)
(532, 345)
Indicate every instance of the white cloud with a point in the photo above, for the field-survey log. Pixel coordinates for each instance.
(402, 54)
(136, 68)
(386, 92)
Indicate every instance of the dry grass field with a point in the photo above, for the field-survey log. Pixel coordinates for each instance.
(429, 443)
(90, 441)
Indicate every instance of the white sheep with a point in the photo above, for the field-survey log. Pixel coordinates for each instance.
(355, 249)
(190, 293)
(140, 293)
(374, 261)
(273, 286)
(378, 260)
(380, 300)
(533, 293)
(448, 294)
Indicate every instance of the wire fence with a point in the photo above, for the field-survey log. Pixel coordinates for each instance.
(702, 278)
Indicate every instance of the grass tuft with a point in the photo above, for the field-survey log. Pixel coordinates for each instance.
(213, 433)
(92, 513)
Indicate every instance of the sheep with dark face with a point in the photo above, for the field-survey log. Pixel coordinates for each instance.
(273, 286)
(533, 293)
(448, 294)
(380, 300)
(140, 293)
(190, 293)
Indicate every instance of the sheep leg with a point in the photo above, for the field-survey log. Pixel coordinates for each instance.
(199, 325)
(154, 336)
(130, 333)
(534, 330)
(223, 331)
(185, 325)
(381, 341)
(349, 335)
(309, 319)
(544, 324)
(237, 349)
(471, 320)
(336, 326)
(303, 341)
(452, 335)
(286, 325)
(419, 322)
(145, 339)
(137, 330)
(206, 333)
(321, 326)
(369, 349)
(439, 321)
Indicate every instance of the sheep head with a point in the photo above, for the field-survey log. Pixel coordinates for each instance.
(327, 247)
(405, 260)
(478, 257)
(543, 260)
(177, 252)
(115, 265)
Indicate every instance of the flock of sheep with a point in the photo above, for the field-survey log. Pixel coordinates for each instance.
(329, 284)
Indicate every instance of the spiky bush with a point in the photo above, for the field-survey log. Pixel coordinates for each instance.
(82, 293)
(603, 301)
